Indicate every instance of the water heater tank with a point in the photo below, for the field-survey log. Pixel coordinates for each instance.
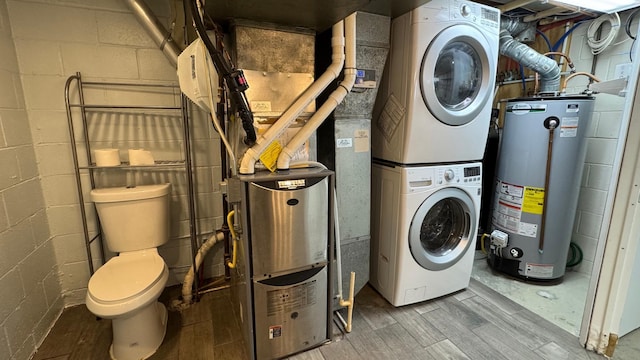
(538, 178)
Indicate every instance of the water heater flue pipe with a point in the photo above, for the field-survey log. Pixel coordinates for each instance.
(527, 57)
(332, 101)
(247, 164)
(156, 30)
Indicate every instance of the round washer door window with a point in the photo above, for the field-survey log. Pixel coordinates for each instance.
(441, 229)
(456, 75)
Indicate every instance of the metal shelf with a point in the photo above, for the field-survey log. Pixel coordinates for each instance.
(78, 123)
(159, 164)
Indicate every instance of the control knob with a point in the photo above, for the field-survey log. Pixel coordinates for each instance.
(449, 175)
(465, 10)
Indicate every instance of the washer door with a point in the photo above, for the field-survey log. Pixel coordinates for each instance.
(455, 75)
(440, 230)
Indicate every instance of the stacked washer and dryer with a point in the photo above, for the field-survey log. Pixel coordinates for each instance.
(427, 144)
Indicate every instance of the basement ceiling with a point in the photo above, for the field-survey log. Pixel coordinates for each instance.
(318, 15)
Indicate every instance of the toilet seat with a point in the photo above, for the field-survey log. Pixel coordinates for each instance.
(126, 282)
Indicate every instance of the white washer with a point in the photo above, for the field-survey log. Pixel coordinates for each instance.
(437, 92)
(424, 229)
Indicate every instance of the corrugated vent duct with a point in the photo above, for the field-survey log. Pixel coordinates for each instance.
(528, 57)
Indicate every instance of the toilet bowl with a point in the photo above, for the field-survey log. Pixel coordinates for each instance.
(125, 290)
(127, 287)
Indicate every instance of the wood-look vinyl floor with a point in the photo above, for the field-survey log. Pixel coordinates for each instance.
(476, 323)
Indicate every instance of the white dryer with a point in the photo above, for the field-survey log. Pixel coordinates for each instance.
(424, 225)
(437, 91)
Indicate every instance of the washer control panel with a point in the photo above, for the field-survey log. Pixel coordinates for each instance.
(463, 174)
(421, 178)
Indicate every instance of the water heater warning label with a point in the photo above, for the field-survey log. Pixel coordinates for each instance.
(508, 206)
(511, 201)
(533, 200)
(569, 126)
(538, 270)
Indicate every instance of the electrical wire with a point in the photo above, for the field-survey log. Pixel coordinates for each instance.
(212, 113)
(627, 24)
(627, 29)
(599, 45)
(234, 78)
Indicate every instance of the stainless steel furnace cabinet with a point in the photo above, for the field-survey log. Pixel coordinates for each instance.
(281, 284)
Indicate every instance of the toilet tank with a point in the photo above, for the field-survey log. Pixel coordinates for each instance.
(133, 218)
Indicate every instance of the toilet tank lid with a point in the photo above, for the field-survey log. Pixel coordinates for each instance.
(129, 193)
(125, 276)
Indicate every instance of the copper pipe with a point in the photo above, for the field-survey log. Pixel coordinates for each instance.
(553, 123)
(569, 63)
(564, 86)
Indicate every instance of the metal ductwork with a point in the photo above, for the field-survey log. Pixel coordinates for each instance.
(513, 25)
(155, 29)
(528, 57)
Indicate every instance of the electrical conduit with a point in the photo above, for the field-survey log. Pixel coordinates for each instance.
(332, 101)
(247, 164)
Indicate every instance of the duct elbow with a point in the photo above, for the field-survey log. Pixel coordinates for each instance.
(248, 162)
(284, 160)
(528, 57)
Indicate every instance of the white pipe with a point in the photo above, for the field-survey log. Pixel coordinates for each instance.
(247, 164)
(352, 280)
(187, 294)
(336, 224)
(332, 102)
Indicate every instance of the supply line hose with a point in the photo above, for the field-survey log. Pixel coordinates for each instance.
(575, 255)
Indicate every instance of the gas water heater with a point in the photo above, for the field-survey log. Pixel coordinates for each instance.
(538, 178)
(281, 283)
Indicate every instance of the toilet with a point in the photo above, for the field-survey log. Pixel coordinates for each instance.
(134, 221)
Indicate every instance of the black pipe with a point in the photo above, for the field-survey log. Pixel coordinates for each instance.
(234, 78)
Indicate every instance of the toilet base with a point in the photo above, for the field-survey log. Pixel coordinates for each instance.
(140, 335)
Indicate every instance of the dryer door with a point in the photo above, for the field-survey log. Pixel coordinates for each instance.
(440, 230)
(456, 76)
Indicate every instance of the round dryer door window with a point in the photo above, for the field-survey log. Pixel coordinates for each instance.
(455, 75)
(441, 228)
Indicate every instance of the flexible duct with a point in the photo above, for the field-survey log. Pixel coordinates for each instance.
(527, 57)
(247, 164)
(514, 25)
(336, 97)
(156, 31)
(187, 291)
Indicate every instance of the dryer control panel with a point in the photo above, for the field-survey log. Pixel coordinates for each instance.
(477, 13)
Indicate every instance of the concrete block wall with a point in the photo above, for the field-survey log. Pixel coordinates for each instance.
(603, 137)
(103, 41)
(29, 286)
